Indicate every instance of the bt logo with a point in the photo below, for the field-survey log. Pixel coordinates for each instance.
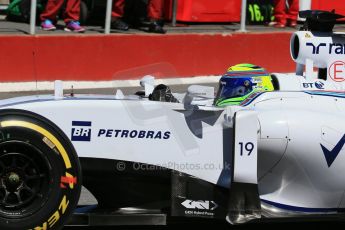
(81, 131)
(317, 85)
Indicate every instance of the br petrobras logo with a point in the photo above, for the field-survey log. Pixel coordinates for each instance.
(81, 131)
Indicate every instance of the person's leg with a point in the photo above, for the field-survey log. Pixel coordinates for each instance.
(155, 14)
(72, 11)
(51, 10)
(72, 15)
(292, 13)
(155, 9)
(118, 9)
(116, 15)
(279, 12)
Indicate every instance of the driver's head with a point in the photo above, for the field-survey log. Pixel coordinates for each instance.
(240, 82)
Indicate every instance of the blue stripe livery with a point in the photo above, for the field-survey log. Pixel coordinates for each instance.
(331, 155)
(302, 209)
(81, 123)
(326, 93)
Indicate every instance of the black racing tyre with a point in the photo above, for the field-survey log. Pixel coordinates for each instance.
(40, 175)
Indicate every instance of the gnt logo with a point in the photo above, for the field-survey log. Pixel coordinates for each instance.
(200, 204)
(81, 131)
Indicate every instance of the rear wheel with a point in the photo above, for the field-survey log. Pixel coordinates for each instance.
(40, 178)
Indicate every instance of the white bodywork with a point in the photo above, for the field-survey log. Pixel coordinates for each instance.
(290, 128)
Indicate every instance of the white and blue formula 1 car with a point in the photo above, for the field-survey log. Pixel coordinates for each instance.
(278, 154)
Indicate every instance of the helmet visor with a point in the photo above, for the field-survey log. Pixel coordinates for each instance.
(234, 88)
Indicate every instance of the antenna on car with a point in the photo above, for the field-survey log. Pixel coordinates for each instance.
(72, 91)
(35, 69)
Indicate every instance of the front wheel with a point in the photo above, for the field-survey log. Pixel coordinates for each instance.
(40, 176)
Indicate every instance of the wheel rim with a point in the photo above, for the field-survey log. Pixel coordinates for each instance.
(24, 179)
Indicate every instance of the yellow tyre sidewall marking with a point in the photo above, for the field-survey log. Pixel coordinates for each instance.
(45, 133)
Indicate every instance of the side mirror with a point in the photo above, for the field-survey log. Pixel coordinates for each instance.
(148, 82)
(119, 94)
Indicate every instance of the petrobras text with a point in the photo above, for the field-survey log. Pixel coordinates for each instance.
(141, 134)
